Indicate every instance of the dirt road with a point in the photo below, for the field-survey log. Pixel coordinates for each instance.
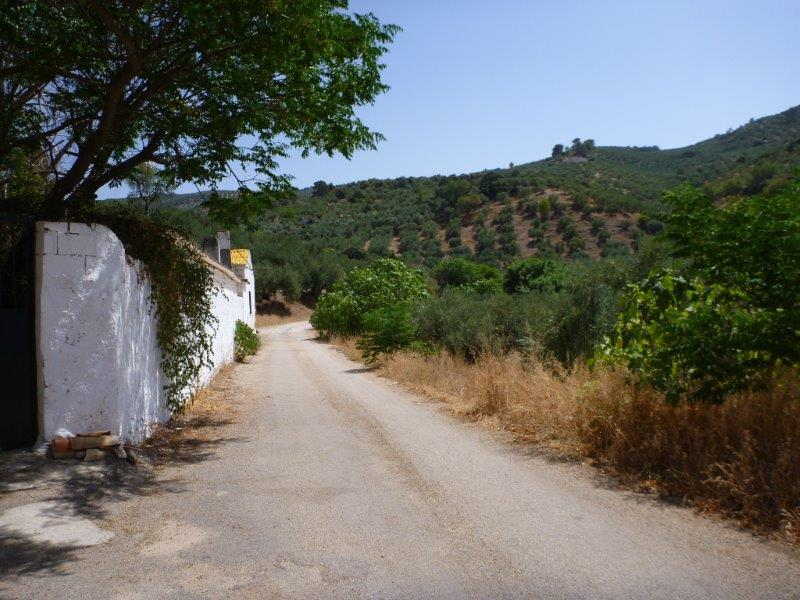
(336, 484)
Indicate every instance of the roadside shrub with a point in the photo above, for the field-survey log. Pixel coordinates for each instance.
(469, 325)
(389, 329)
(467, 275)
(534, 274)
(698, 340)
(245, 341)
(731, 313)
(459, 322)
(559, 313)
(384, 283)
(583, 312)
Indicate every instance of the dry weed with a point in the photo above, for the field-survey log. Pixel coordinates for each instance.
(286, 313)
(189, 435)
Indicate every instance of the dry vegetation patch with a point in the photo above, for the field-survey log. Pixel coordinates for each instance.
(278, 313)
(740, 459)
(191, 435)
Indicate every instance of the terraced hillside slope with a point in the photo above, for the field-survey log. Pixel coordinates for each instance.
(585, 201)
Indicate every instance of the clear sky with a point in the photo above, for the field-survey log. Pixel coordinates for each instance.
(477, 84)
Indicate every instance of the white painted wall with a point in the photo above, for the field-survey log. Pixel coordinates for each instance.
(98, 358)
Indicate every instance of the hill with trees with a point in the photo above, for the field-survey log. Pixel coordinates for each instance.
(584, 202)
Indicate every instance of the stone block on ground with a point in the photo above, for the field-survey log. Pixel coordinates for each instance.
(59, 454)
(82, 442)
(60, 444)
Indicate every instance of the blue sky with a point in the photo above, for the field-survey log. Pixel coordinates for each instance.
(477, 84)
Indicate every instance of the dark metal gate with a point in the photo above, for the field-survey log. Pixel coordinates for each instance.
(18, 426)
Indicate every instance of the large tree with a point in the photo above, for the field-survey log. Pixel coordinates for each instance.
(93, 88)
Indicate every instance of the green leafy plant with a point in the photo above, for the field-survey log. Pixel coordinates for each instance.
(101, 87)
(731, 313)
(693, 339)
(534, 274)
(467, 275)
(388, 330)
(384, 283)
(245, 341)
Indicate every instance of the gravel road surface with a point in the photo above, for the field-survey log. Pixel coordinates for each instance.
(334, 483)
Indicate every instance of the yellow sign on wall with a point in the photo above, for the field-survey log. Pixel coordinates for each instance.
(240, 256)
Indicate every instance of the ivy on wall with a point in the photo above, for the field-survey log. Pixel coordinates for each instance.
(182, 288)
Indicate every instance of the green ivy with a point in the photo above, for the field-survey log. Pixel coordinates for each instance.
(182, 287)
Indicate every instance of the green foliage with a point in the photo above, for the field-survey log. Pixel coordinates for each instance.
(309, 239)
(492, 184)
(552, 322)
(271, 279)
(584, 311)
(469, 202)
(732, 312)
(750, 242)
(23, 183)
(469, 325)
(544, 208)
(302, 246)
(534, 274)
(148, 186)
(692, 339)
(181, 294)
(122, 84)
(245, 341)
(467, 275)
(389, 329)
(386, 282)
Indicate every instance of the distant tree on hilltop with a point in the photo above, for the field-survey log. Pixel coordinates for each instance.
(148, 186)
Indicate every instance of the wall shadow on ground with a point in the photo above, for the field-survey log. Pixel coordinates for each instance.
(91, 490)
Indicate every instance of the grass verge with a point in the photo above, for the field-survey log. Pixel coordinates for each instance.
(740, 459)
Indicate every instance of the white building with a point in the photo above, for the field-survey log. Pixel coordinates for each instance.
(98, 360)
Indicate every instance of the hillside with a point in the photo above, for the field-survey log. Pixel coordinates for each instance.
(589, 202)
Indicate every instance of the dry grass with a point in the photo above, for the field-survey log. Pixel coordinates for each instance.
(191, 435)
(278, 313)
(740, 459)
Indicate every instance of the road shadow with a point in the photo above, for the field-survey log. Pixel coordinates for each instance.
(357, 370)
(595, 473)
(92, 489)
(71, 488)
(21, 556)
